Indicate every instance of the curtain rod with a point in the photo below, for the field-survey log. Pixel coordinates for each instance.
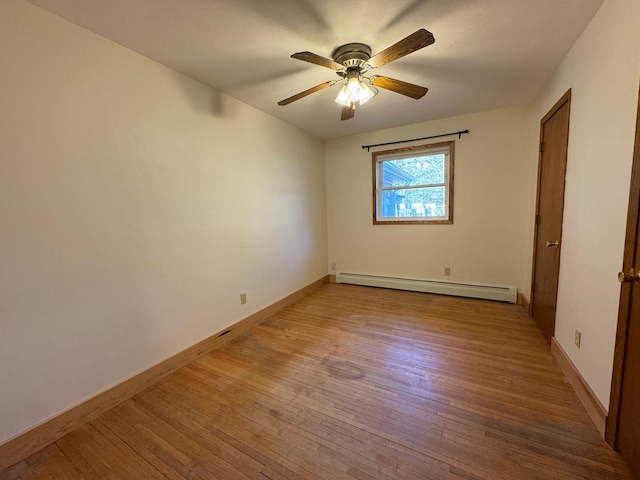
(459, 133)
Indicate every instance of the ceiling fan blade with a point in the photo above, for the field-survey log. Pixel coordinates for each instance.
(348, 112)
(300, 95)
(398, 86)
(410, 44)
(318, 60)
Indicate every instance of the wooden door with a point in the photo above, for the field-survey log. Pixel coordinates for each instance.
(623, 421)
(552, 166)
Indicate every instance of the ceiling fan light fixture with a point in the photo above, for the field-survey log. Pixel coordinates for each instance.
(344, 97)
(353, 86)
(355, 91)
(367, 93)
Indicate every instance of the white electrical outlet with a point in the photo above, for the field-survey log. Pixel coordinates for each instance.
(578, 338)
(333, 266)
(243, 298)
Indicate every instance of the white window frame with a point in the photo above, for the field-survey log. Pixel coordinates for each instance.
(410, 152)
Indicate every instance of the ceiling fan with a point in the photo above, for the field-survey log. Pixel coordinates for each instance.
(352, 61)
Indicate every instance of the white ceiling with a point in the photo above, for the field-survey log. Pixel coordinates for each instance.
(488, 53)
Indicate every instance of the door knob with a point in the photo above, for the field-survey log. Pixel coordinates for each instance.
(631, 276)
(555, 243)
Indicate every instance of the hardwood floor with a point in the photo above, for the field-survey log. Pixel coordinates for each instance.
(352, 383)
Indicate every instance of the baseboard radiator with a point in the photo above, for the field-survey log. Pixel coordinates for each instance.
(459, 289)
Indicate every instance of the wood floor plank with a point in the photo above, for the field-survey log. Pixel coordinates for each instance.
(352, 383)
(51, 462)
(146, 449)
(66, 445)
(201, 461)
(19, 471)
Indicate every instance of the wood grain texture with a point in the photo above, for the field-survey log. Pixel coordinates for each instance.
(565, 98)
(309, 91)
(589, 401)
(417, 40)
(552, 165)
(349, 383)
(33, 440)
(398, 86)
(347, 112)
(624, 308)
(523, 301)
(318, 60)
(624, 430)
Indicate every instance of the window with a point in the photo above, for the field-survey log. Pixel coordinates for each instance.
(413, 185)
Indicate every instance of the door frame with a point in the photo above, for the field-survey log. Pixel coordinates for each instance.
(566, 98)
(633, 216)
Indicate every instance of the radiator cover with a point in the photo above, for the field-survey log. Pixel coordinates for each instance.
(459, 289)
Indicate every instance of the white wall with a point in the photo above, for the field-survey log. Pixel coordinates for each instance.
(136, 204)
(487, 241)
(603, 71)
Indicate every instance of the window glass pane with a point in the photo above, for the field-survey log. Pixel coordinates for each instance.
(413, 202)
(422, 170)
(414, 184)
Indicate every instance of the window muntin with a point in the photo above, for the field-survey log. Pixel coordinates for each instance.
(414, 184)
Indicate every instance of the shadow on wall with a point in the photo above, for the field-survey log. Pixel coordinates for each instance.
(204, 99)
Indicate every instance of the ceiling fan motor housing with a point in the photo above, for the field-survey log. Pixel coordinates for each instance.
(352, 55)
